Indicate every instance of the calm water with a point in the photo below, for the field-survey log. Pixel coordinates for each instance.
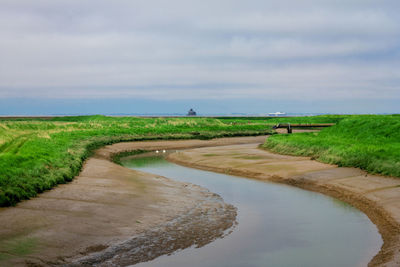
(278, 225)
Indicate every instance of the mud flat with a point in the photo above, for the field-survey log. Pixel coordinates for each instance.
(376, 196)
(106, 213)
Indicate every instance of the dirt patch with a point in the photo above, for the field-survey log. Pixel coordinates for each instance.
(376, 196)
(201, 225)
(111, 210)
(108, 211)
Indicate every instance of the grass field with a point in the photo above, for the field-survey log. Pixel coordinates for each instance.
(369, 142)
(37, 154)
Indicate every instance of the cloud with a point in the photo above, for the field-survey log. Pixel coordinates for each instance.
(179, 49)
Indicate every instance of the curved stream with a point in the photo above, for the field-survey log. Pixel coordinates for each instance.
(278, 225)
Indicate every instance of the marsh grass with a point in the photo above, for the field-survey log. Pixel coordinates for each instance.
(369, 142)
(38, 154)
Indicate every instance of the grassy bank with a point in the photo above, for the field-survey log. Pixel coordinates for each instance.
(369, 142)
(37, 154)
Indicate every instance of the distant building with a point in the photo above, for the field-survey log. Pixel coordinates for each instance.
(191, 112)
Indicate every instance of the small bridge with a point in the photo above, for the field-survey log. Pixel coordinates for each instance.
(289, 126)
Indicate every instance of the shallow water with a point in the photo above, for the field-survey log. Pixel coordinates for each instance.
(278, 225)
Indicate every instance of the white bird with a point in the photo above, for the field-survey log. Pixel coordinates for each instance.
(164, 151)
(156, 151)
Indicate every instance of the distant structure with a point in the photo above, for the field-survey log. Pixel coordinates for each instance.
(277, 114)
(191, 112)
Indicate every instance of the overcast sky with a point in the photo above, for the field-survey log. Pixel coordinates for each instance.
(345, 53)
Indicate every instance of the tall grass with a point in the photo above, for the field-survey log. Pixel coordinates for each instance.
(37, 154)
(369, 142)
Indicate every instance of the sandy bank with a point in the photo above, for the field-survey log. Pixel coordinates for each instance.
(377, 196)
(109, 211)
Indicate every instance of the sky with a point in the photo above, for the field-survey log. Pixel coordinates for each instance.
(218, 57)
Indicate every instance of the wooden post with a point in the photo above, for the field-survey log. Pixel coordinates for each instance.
(289, 129)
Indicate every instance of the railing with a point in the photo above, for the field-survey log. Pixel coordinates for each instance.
(289, 126)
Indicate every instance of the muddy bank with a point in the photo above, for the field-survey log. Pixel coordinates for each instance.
(377, 196)
(200, 225)
(108, 211)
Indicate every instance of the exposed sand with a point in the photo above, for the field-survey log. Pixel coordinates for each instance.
(110, 211)
(377, 196)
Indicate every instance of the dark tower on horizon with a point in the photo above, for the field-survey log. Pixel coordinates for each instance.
(191, 112)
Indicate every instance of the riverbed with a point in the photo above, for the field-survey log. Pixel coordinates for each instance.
(277, 225)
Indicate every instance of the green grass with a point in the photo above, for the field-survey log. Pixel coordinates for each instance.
(276, 120)
(369, 142)
(17, 247)
(38, 154)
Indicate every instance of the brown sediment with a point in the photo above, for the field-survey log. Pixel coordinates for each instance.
(106, 213)
(377, 196)
(206, 221)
